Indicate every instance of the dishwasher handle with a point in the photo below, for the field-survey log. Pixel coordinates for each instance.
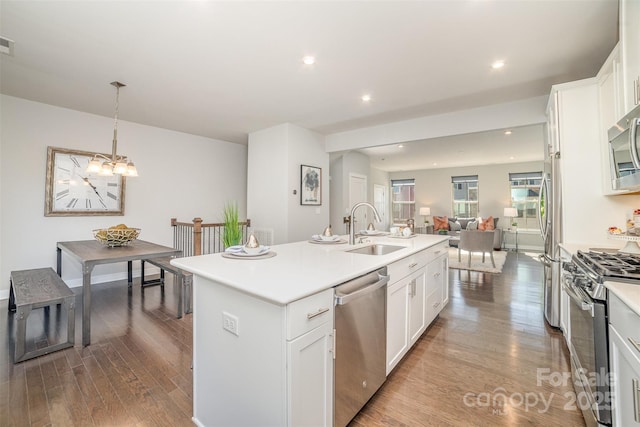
(342, 299)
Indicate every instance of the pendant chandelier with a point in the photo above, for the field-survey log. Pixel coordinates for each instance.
(120, 165)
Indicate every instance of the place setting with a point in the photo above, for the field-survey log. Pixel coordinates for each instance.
(251, 250)
(327, 238)
(371, 231)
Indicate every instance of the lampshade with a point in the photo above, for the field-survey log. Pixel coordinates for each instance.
(510, 212)
(425, 211)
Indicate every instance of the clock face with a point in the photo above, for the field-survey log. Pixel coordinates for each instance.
(73, 191)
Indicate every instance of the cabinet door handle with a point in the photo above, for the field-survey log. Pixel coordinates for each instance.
(413, 264)
(333, 348)
(436, 252)
(413, 288)
(636, 399)
(634, 343)
(317, 313)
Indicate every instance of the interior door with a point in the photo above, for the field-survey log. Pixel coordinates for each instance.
(358, 193)
(381, 203)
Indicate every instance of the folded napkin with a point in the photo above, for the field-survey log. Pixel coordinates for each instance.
(318, 237)
(240, 249)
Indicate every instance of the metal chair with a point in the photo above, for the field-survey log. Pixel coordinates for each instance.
(476, 241)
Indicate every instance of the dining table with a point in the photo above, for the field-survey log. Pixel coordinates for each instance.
(90, 253)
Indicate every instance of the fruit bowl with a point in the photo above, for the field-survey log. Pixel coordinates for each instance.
(116, 236)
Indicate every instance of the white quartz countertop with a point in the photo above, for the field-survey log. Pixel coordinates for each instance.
(627, 292)
(300, 269)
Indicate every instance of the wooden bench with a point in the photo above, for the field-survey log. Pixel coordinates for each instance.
(184, 279)
(37, 288)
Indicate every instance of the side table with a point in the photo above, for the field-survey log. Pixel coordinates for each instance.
(506, 231)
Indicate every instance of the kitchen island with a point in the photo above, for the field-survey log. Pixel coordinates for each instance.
(263, 328)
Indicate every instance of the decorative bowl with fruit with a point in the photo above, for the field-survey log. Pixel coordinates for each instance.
(118, 235)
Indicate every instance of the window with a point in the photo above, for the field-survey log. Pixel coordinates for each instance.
(403, 202)
(525, 189)
(465, 196)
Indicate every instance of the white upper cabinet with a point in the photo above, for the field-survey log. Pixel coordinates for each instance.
(630, 48)
(611, 106)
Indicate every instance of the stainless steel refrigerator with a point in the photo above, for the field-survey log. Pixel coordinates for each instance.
(550, 219)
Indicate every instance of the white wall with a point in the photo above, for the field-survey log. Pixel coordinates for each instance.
(273, 174)
(341, 166)
(433, 188)
(181, 175)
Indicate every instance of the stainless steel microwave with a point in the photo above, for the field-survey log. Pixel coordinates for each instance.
(624, 149)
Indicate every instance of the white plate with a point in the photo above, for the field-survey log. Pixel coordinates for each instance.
(372, 233)
(264, 255)
(328, 242)
(403, 237)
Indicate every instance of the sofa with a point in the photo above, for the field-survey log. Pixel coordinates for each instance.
(452, 227)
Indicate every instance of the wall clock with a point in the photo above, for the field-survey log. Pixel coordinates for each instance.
(70, 190)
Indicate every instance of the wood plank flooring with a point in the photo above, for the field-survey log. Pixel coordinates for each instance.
(477, 365)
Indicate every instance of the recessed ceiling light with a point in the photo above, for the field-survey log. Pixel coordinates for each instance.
(497, 64)
(511, 158)
(507, 132)
(400, 146)
(435, 164)
(366, 98)
(309, 60)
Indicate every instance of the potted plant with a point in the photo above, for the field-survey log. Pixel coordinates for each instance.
(232, 234)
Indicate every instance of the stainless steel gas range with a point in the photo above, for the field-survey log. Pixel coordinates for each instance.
(583, 281)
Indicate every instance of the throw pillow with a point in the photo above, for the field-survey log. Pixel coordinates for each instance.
(472, 225)
(440, 223)
(454, 226)
(464, 222)
(487, 224)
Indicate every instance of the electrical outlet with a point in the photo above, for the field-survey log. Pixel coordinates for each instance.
(230, 323)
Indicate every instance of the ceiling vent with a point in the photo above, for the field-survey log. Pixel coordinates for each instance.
(6, 46)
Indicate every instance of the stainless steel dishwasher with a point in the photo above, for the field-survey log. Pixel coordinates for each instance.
(360, 348)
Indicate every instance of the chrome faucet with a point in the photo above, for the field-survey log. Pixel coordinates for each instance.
(352, 231)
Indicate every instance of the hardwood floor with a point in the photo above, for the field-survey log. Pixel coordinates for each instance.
(488, 360)
(485, 349)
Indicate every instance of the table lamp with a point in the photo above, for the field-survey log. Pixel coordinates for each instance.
(425, 212)
(511, 213)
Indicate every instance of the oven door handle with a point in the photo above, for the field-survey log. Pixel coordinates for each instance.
(581, 300)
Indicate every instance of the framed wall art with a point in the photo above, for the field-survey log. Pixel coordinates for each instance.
(71, 191)
(310, 185)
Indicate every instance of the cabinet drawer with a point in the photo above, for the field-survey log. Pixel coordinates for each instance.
(309, 313)
(406, 266)
(626, 322)
(436, 251)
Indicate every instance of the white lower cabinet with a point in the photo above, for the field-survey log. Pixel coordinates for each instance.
(397, 322)
(415, 296)
(437, 286)
(310, 379)
(624, 350)
(417, 305)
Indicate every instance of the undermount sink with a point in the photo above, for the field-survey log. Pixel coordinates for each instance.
(377, 249)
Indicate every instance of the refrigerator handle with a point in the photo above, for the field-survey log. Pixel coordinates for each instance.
(633, 129)
(544, 229)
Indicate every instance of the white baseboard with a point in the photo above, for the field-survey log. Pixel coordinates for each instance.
(105, 278)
